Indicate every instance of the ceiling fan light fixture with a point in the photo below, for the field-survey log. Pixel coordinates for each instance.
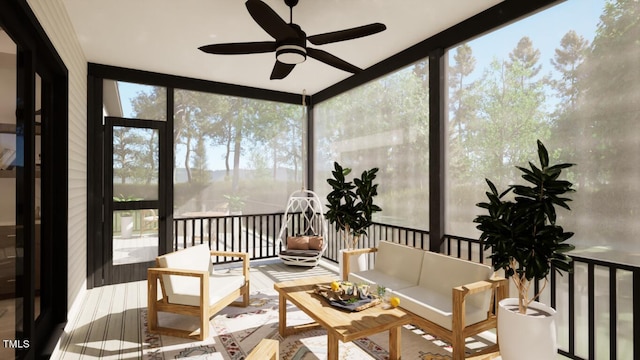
(290, 41)
(291, 54)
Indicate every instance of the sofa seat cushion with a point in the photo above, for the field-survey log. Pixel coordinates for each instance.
(435, 306)
(187, 290)
(377, 277)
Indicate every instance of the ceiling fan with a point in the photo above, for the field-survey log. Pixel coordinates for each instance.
(290, 43)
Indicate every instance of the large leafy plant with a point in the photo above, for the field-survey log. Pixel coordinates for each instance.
(125, 198)
(523, 234)
(351, 204)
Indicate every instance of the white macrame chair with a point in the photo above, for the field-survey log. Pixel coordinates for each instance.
(303, 216)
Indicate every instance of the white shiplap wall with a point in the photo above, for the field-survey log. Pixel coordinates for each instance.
(53, 17)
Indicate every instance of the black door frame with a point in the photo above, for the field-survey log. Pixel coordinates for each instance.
(114, 274)
(97, 211)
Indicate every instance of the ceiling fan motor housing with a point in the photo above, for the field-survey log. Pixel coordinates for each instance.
(293, 50)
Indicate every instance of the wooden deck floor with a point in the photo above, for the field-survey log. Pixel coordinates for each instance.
(107, 326)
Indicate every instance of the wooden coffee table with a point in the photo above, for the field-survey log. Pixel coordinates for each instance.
(340, 325)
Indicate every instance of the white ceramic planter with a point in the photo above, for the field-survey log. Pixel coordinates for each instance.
(126, 227)
(356, 263)
(530, 336)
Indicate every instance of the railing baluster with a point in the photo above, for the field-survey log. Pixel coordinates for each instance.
(572, 313)
(261, 234)
(613, 311)
(591, 300)
(636, 311)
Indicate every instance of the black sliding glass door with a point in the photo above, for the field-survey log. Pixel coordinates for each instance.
(33, 186)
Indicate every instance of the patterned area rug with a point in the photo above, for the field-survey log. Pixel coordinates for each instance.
(235, 331)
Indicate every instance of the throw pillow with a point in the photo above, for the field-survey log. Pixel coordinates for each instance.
(315, 242)
(298, 243)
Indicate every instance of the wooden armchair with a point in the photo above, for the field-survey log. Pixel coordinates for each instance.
(148, 220)
(190, 286)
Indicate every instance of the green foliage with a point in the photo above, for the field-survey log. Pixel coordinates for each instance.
(567, 60)
(236, 202)
(351, 203)
(234, 126)
(125, 198)
(134, 155)
(493, 115)
(523, 234)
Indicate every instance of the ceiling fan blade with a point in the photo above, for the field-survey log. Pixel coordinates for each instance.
(332, 60)
(269, 20)
(281, 70)
(346, 34)
(240, 48)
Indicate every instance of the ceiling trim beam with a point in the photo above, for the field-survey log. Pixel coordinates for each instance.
(174, 81)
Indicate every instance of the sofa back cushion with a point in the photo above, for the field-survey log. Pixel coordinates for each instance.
(193, 258)
(399, 261)
(442, 273)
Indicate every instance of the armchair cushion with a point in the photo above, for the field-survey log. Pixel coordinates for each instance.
(187, 292)
(197, 258)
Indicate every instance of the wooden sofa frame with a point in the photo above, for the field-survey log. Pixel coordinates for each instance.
(204, 311)
(499, 288)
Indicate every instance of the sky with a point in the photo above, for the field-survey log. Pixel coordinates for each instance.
(545, 29)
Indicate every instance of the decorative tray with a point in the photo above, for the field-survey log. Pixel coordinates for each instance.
(347, 296)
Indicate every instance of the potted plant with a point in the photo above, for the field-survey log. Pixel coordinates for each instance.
(126, 216)
(526, 242)
(351, 207)
(236, 204)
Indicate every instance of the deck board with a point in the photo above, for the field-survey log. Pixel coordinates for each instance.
(131, 326)
(108, 324)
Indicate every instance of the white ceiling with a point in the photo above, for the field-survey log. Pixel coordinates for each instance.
(164, 35)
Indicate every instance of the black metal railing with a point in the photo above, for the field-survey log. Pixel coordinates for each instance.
(253, 234)
(585, 299)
